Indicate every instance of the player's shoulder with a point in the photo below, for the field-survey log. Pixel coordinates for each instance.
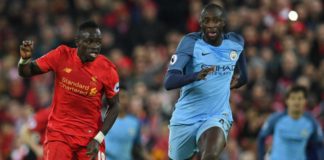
(274, 117)
(105, 62)
(310, 117)
(65, 50)
(134, 119)
(191, 37)
(237, 38)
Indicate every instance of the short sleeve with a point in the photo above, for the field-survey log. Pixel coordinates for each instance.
(50, 60)
(236, 38)
(317, 135)
(183, 53)
(112, 83)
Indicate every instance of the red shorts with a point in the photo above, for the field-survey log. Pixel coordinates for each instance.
(67, 147)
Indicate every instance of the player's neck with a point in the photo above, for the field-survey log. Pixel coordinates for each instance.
(217, 42)
(121, 114)
(82, 58)
(294, 115)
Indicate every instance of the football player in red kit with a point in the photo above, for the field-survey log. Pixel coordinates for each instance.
(75, 128)
(36, 124)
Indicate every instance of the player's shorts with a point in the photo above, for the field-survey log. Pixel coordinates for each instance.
(183, 139)
(62, 146)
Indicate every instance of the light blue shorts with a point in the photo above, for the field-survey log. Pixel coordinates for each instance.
(183, 139)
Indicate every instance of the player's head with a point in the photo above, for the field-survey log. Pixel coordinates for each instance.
(212, 21)
(123, 98)
(296, 100)
(88, 41)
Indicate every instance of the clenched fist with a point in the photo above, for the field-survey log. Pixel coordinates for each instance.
(26, 49)
(204, 72)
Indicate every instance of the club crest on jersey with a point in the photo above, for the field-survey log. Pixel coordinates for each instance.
(233, 55)
(173, 59)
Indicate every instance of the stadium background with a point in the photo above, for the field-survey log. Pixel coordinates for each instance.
(139, 36)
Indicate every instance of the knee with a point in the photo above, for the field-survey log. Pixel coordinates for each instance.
(210, 156)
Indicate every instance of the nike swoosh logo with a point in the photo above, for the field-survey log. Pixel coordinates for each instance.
(204, 54)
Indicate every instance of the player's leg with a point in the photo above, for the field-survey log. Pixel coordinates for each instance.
(211, 143)
(212, 137)
(182, 143)
(54, 150)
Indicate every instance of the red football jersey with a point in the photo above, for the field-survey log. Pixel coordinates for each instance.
(79, 87)
(38, 123)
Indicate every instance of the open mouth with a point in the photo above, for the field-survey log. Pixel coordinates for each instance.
(212, 34)
(93, 54)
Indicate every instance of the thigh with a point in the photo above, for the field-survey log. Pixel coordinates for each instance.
(82, 153)
(182, 141)
(211, 142)
(54, 150)
(212, 135)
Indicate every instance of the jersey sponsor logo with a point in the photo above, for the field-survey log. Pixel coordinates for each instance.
(220, 69)
(74, 86)
(116, 88)
(93, 91)
(205, 53)
(67, 70)
(233, 55)
(173, 59)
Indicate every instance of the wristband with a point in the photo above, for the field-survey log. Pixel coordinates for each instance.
(99, 137)
(24, 61)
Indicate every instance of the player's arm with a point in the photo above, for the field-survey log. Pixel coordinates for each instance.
(27, 67)
(242, 79)
(175, 77)
(267, 129)
(315, 145)
(111, 114)
(109, 120)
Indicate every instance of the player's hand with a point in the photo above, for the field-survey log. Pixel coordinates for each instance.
(92, 149)
(26, 49)
(204, 72)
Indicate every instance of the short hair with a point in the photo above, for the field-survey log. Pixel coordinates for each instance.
(297, 88)
(212, 6)
(88, 24)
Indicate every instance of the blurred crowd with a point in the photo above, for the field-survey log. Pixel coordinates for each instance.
(140, 36)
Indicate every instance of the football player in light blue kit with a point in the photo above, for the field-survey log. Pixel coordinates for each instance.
(123, 140)
(296, 134)
(203, 67)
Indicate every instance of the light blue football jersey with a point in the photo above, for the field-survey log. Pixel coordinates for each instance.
(121, 138)
(207, 98)
(290, 136)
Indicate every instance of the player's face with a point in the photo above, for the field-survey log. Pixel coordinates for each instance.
(296, 102)
(123, 100)
(89, 44)
(212, 22)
